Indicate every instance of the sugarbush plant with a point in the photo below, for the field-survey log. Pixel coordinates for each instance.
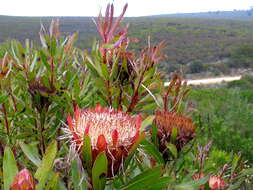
(72, 119)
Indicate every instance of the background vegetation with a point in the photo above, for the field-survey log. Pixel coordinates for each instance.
(226, 116)
(216, 43)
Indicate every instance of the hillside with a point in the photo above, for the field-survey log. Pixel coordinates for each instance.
(189, 39)
(236, 14)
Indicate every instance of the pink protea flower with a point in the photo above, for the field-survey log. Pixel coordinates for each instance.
(23, 181)
(110, 130)
(216, 183)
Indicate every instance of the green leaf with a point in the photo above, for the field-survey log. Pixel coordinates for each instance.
(10, 169)
(52, 184)
(114, 70)
(192, 185)
(44, 60)
(46, 166)
(107, 46)
(3, 98)
(247, 172)
(147, 106)
(236, 185)
(22, 136)
(235, 162)
(61, 186)
(148, 121)
(244, 173)
(104, 71)
(30, 153)
(77, 177)
(146, 179)
(92, 67)
(154, 135)
(33, 63)
(133, 150)
(152, 150)
(172, 148)
(53, 46)
(87, 154)
(99, 171)
(174, 135)
(161, 183)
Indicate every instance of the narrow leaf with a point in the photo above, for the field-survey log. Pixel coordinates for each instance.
(52, 184)
(99, 172)
(87, 154)
(144, 180)
(192, 185)
(78, 182)
(172, 148)
(174, 135)
(3, 98)
(147, 122)
(133, 150)
(152, 150)
(46, 166)
(30, 154)
(154, 135)
(161, 183)
(9, 168)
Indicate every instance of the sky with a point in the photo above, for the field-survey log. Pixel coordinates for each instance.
(135, 7)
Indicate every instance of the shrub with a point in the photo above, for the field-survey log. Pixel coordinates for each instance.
(196, 67)
(226, 119)
(243, 56)
(245, 83)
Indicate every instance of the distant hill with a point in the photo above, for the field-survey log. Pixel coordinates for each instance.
(189, 39)
(236, 14)
(22, 28)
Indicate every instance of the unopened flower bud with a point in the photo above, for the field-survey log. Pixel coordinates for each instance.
(23, 181)
(165, 122)
(216, 183)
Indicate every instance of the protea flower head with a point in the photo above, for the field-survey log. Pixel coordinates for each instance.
(216, 183)
(166, 121)
(109, 130)
(23, 181)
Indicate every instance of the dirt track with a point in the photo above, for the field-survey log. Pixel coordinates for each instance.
(210, 80)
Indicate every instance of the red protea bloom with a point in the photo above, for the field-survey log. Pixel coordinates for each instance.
(23, 181)
(109, 130)
(216, 183)
(166, 121)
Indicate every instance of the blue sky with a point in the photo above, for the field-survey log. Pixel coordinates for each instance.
(136, 7)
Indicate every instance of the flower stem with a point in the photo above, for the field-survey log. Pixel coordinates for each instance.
(6, 119)
(13, 100)
(40, 132)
